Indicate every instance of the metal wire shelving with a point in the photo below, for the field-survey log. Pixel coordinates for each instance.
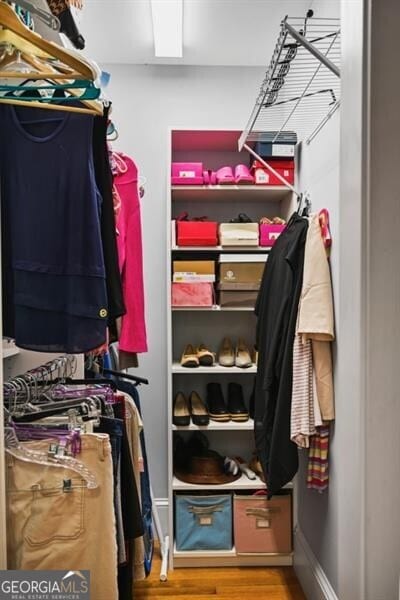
(301, 88)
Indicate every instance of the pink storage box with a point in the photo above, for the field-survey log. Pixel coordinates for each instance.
(270, 233)
(261, 525)
(192, 294)
(187, 173)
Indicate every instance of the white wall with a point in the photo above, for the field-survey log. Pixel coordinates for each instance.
(146, 102)
(318, 513)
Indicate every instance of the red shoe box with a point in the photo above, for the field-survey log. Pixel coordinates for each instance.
(262, 176)
(197, 233)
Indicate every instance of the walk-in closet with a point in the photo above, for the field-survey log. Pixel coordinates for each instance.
(200, 294)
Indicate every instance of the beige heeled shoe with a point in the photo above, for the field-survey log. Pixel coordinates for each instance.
(226, 355)
(242, 356)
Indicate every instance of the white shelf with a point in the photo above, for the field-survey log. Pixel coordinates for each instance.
(240, 484)
(216, 426)
(271, 193)
(215, 308)
(228, 558)
(233, 249)
(177, 368)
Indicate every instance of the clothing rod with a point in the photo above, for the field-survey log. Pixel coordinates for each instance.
(314, 51)
(47, 17)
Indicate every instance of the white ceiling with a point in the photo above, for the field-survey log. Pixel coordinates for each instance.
(216, 32)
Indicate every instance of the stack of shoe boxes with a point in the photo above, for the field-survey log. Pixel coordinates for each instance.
(240, 278)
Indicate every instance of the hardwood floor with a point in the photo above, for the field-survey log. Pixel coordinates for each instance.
(255, 583)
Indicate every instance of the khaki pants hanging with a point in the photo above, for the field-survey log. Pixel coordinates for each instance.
(48, 528)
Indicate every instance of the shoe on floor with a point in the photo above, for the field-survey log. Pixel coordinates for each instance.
(216, 403)
(181, 413)
(198, 410)
(189, 357)
(242, 356)
(226, 355)
(205, 356)
(236, 406)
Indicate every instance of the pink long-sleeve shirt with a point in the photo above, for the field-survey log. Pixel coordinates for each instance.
(129, 240)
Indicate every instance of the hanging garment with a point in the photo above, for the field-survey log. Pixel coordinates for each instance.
(316, 319)
(54, 279)
(104, 181)
(49, 528)
(318, 465)
(146, 503)
(276, 309)
(133, 328)
(302, 422)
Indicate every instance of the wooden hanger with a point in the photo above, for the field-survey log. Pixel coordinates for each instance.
(10, 21)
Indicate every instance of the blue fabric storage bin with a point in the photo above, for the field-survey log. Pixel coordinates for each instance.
(203, 522)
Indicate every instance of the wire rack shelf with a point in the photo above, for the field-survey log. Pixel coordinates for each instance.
(301, 88)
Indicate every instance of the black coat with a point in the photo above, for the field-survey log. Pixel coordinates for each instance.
(276, 309)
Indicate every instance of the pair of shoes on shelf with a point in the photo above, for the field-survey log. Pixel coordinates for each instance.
(241, 218)
(186, 408)
(195, 357)
(239, 356)
(273, 221)
(242, 176)
(235, 409)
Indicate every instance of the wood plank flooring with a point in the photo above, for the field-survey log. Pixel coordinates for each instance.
(244, 583)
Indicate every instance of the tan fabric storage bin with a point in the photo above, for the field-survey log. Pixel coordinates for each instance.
(261, 525)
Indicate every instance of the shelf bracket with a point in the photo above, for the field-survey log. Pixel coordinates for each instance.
(271, 170)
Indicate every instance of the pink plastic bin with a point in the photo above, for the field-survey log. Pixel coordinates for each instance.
(192, 294)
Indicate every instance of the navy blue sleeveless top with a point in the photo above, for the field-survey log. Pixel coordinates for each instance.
(54, 277)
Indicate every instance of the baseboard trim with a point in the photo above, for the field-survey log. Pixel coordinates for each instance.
(313, 580)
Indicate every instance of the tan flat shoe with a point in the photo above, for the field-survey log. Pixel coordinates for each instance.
(226, 355)
(205, 356)
(242, 356)
(189, 357)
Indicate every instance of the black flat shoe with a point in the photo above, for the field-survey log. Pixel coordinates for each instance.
(216, 403)
(198, 410)
(236, 406)
(181, 413)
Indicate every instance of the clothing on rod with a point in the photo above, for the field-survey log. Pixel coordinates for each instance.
(55, 297)
(276, 309)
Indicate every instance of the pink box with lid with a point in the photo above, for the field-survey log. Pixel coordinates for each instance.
(269, 233)
(187, 173)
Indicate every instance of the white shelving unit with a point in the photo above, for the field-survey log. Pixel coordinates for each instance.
(211, 324)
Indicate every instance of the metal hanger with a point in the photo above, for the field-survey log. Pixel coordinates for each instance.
(14, 447)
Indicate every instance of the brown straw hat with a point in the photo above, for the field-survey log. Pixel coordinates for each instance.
(208, 468)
